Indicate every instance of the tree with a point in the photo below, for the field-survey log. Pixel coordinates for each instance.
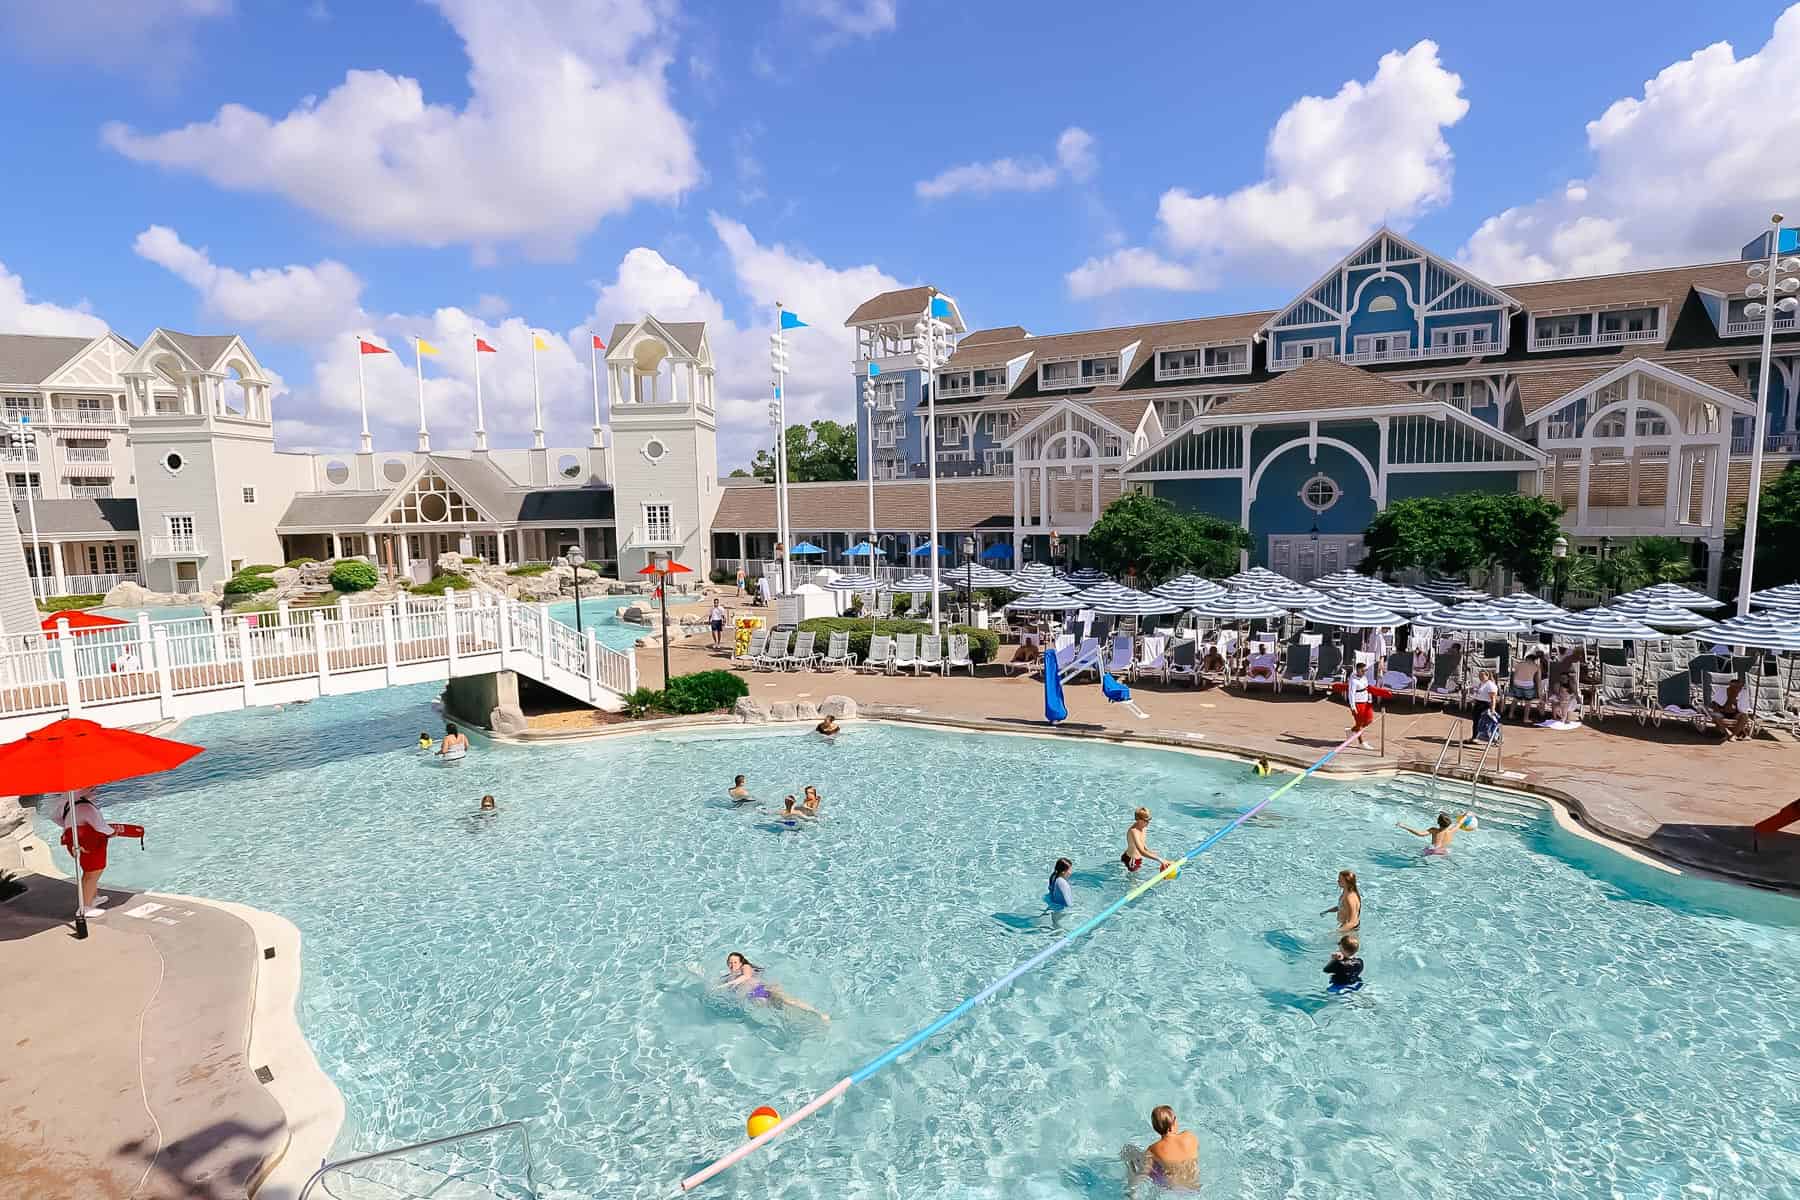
(1453, 534)
(1777, 531)
(1147, 535)
(822, 452)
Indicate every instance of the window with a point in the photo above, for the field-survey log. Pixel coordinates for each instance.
(659, 524)
(998, 425)
(1178, 362)
(889, 393)
(1611, 427)
(109, 558)
(1224, 358)
(1471, 338)
(91, 487)
(22, 406)
(1111, 446)
(249, 495)
(1320, 493)
(1383, 345)
(128, 557)
(22, 482)
(431, 501)
(655, 451)
(394, 470)
(1383, 304)
(1302, 352)
(990, 379)
(93, 561)
(1651, 424)
(1000, 462)
(179, 525)
(950, 431)
(1557, 330)
(1059, 374)
(954, 383)
(1627, 322)
(1100, 370)
(172, 462)
(38, 565)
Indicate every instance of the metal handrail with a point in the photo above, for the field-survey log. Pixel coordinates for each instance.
(524, 1138)
(1456, 737)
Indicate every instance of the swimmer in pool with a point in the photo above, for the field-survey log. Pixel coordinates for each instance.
(811, 800)
(792, 816)
(1345, 965)
(1441, 835)
(424, 740)
(1173, 1159)
(1349, 905)
(455, 743)
(489, 806)
(744, 978)
(1136, 851)
(739, 791)
(1060, 895)
(828, 726)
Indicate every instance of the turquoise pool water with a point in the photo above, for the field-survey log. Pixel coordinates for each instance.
(1542, 1018)
(603, 617)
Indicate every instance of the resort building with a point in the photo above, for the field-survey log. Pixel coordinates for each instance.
(1628, 398)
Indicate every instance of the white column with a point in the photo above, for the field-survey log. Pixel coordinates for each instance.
(71, 675)
(217, 620)
(1381, 463)
(590, 664)
(246, 660)
(56, 568)
(500, 547)
(165, 678)
(450, 628)
(1581, 485)
(321, 647)
(390, 649)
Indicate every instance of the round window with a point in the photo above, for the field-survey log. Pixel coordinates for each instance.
(173, 462)
(337, 472)
(568, 466)
(433, 507)
(655, 451)
(1320, 493)
(394, 469)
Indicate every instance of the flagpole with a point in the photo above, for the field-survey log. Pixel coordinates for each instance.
(783, 533)
(594, 369)
(480, 421)
(537, 403)
(931, 364)
(419, 372)
(362, 398)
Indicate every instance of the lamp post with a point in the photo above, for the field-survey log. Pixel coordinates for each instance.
(778, 369)
(968, 553)
(931, 336)
(1780, 280)
(660, 560)
(1559, 554)
(577, 560)
(22, 440)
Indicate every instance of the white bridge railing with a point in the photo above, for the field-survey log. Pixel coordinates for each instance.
(181, 667)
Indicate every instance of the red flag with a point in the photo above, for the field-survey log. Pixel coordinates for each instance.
(598, 344)
(371, 347)
(481, 347)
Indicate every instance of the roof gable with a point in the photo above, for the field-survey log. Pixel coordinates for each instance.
(99, 364)
(27, 360)
(1689, 379)
(685, 340)
(1444, 286)
(1323, 383)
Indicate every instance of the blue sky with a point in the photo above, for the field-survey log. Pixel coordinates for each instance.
(562, 163)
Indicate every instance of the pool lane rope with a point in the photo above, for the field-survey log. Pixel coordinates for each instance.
(887, 1057)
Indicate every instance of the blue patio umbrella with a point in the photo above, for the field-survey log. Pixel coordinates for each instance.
(943, 551)
(862, 548)
(807, 548)
(998, 550)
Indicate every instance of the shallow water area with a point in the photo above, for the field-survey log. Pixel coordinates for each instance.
(1542, 1017)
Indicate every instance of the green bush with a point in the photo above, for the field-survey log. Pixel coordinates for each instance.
(353, 575)
(984, 644)
(902, 602)
(246, 583)
(297, 563)
(473, 560)
(703, 691)
(51, 604)
(640, 702)
(720, 575)
(438, 585)
(260, 569)
(530, 569)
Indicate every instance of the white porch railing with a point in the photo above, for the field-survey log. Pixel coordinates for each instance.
(168, 545)
(1611, 337)
(85, 416)
(90, 585)
(1780, 443)
(1747, 328)
(1202, 370)
(655, 535)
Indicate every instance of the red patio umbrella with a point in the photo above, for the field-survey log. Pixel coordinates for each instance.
(72, 754)
(79, 621)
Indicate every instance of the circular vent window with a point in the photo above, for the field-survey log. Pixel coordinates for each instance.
(1320, 493)
(337, 472)
(569, 467)
(655, 451)
(173, 462)
(394, 469)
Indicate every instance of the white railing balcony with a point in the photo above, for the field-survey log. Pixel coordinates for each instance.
(172, 546)
(656, 535)
(1783, 324)
(20, 495)
(1203, 370)
(99, 585)
(85, 416)
(87, 454)
(91, 491)
(884, 441)
(1606, 337)
(1780, 443)
(27, 455)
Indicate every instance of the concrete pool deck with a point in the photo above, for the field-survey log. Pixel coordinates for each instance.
(1685, 797)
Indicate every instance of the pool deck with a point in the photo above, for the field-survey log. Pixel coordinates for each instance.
(127, 1069)
(1684, 797)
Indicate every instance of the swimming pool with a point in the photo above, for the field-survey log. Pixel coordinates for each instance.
(602, 615)
(1542, 1018)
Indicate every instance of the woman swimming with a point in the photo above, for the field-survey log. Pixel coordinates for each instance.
(744, 978)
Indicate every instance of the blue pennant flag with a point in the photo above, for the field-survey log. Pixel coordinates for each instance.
(940, 307)
(874, 370)
(790, 321)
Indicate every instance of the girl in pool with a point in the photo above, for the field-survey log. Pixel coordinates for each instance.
(810, 800)
(1349, 905)
(744, 978)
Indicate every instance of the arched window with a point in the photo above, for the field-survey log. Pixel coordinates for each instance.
(1383, 304)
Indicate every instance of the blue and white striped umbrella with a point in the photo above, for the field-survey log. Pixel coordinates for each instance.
(1187, 590)
(1339, 579)
(1673, 593)
(1472, 616)
(1783, 599)
(917, 582)
(1117, 601)
(1043, 602)
(1526, 607)
(1256, 579)
(1041, 577)
(1293, 595)
(1758, 631)
(1351, 612)
(973, 575)
(1449, 589)
(1660, 614)
(1086, 577)
(1601, 625)
(854, 583)
(1401, 599)
(1239, 606)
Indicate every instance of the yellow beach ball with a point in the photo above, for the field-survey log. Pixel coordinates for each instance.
(761, 1121)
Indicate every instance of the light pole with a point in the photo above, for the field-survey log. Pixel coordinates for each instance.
(577, 560)
(660, 560)
(778, 369)
(23, 440)
(1559, 567)
(931, 337)
(968, 553)
(869, 430)
(1780, 280)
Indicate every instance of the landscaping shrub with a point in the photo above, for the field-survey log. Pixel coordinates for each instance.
(530, 569)
(437, 586)
(247, 583)
(51, 604)
(297, 563)
(352, 575)
(720, 575)
(260, 569)
(984, 644)
(703, 691)
(640, 702)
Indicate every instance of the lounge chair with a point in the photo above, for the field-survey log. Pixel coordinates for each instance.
(959, 654)
(1180, 662)
(1118, 659)
(771, 657)
(1618, 695)
(1296, 665)
(837, 652)
(1446, 673)
(801, 656)
(1152, 657)
(1085, 658)
(1770, 708)
(1397, 676)
(906, 653)
(931, 655)
(1262, 667)
(881, 653)
(759, 642)
(1329, 666)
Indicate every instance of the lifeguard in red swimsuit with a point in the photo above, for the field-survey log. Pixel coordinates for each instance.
(82, 824)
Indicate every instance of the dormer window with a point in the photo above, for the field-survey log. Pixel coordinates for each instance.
(1191, 362)
(1100, 370)
(1059, 374)
(1552, 332)
(1462, 339)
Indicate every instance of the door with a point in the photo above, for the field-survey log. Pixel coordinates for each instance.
(1303, 557)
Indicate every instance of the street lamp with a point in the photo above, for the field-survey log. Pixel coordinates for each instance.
(660, 560)
(931, 337)
(22, 441)
(1780, 280)
(775, 423)
(968, 553)
(577, 560)
(1559, 551)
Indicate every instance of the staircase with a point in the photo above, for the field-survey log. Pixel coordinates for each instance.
(169, 670)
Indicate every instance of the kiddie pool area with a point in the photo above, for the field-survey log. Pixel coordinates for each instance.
(1542, 1016)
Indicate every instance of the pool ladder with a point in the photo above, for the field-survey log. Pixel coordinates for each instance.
(306, 1190)
(1457, 738)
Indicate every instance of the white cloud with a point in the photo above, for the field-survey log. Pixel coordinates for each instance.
(21, 314)
(848, 18)
(1337, 167)
(1074, 160)
(1131, 267)
(290, 304)
(568, 120)
(153, 37)
(1686, 172)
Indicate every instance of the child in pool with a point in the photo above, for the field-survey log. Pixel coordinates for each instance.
(1172, 1160)
(424, 741)
(1441, 835)
(1345, 966)
(744, 978)
(1060, 895)
(739, 791)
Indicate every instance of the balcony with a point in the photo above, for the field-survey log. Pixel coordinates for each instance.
(20, 494)
(11, 455)
(656, 536)
(176, 546)
(1606, 337)
(87, 454)
(85, 416)
(1773, 443)
(1203, 370)
(91, 491)
(1754, 328)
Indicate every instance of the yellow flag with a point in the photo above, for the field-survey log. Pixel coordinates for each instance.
(537, 343)
(426, 347)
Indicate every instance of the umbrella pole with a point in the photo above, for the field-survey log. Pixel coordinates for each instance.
(81, 928)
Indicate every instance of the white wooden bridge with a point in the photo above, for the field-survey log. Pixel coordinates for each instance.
(147, 671)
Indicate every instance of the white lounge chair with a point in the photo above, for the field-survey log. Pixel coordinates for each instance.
(1182, 661)
(881, 653)
(1152, 657)
(906, 653)
(931, 655)
(1262, 667)
(1084, 658)
(1118, 659)
(837, 652)
(759, 642)
(959, 654)
(801, 656)
(772, 658)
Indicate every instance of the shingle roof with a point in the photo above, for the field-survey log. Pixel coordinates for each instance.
(1320, 384)
(1125, 413)
(1538, 389)
(1004, 333)
(509, 504)
(566, 504)
(890, 306)
(332, 508)
(480, 482)
(962, 504)
(61, 518)
(204, 349)
(687, 334)
(26, 359)
(1670, 284)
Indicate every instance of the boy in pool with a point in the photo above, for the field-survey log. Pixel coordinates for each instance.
(1136, 851)
(1441, 835)
(1345, 966)
(828, 726)
(1173, 1159)
(424, 740)
(739, 791)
